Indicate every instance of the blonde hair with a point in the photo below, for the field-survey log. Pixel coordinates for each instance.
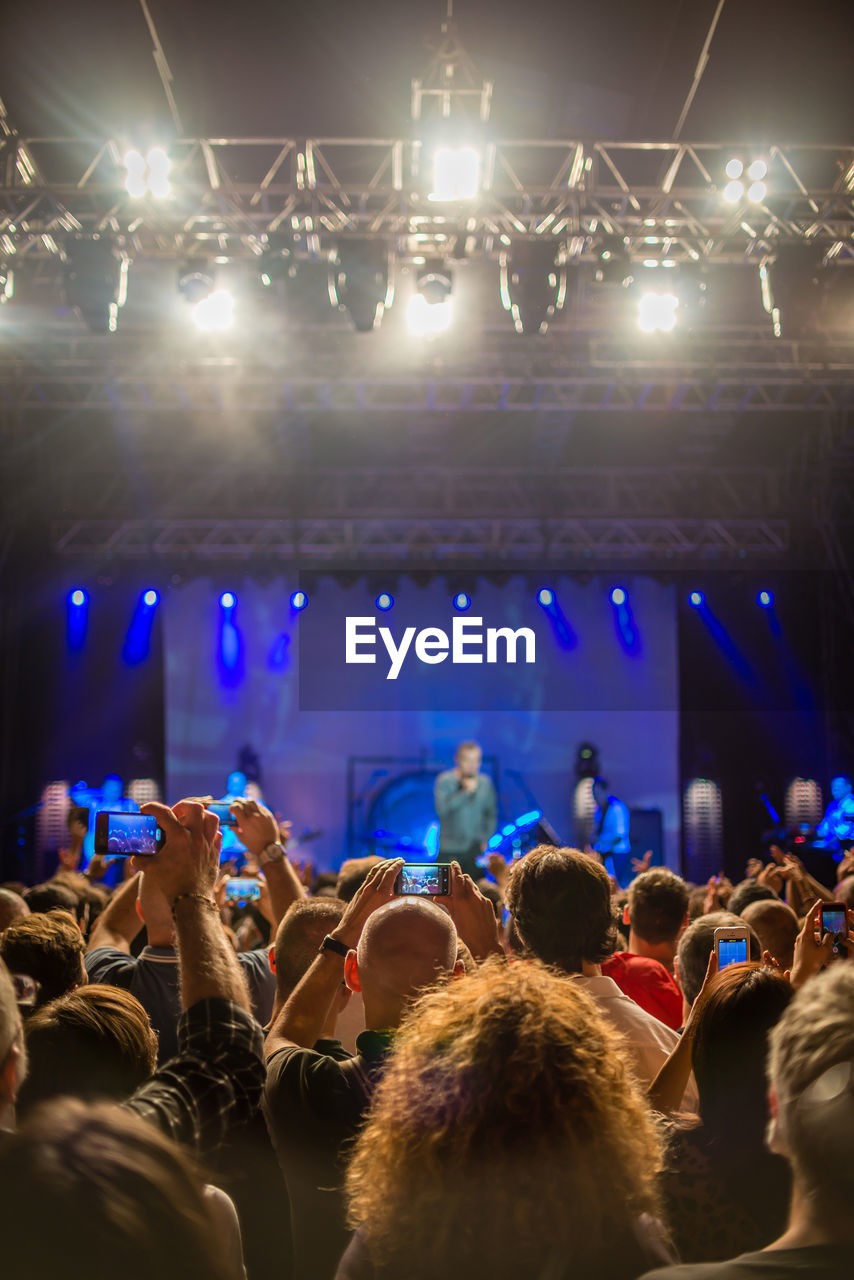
(507, 1122)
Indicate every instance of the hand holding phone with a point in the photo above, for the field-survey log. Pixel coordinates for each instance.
(242, 889)
(732, 946)
(424, 879)
(833, 919)
(127, 835)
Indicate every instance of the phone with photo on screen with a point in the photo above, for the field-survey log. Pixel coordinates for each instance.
(222, 809)
(732, 946)
(834, 919)
(126, 835)
(424, 879)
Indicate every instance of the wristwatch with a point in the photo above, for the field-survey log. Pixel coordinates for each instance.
(273, 853)
(332, 944)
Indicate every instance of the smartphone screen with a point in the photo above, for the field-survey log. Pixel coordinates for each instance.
(121, 835)
(834, 918)
(223, 812)
(245, 889)
(731, 951)
(425, 879)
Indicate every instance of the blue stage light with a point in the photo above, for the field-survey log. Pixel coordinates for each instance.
(697, 599)
(150, 599)
(299, 600)
(384, 601)
(765, 599)
(545, 597)
(227, 600)
(618, 596)
(77, 597)
(461, 601)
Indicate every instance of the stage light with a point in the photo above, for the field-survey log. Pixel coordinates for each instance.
(7, 282)
(735, 168)
(150, 598)
(423, 320)
(657, 312)
(733, 192)
(618, 596)
(95, 281)
(545, 597)
(77, 597)
(77, 619)
(696, 599)
(147, 174)
(462, 601)
(793, 288)
(137, 643)
(195, 281)
(360, 281)
(757, 170)
(215, 313)
(756, 192)
(533, 282)
(227, 600)
(299, 600)
(765, 599)
(456, 173)
(384, 601)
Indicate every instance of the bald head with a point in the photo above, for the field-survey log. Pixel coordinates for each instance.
(12, 908)
(776, 926)
(404, 947)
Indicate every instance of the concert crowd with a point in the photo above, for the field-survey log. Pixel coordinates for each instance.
(533, 1074)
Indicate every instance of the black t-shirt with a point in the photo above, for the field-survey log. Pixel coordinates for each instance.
(820, 1262)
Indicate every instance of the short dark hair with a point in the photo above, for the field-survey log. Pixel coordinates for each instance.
(51, 896)
(697, 944)
(49, 947)
(749, 891)
(352, 876)
(77, 813)
(95, 1042)
(560, 900)
(299, 935)
(658, 902)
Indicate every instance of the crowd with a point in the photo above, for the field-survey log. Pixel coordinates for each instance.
(536, 1075)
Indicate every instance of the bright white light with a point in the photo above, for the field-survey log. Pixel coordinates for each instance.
(228, 600)
(456, 173)
(757, 170)
(150, 599)
(734, 168)
(733, 192)
(215, 312)
(159, 165)
(423, 319)
(618, 596)
(657, 312)
(757, 191)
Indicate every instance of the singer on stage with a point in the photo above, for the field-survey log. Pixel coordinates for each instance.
(610, 836)
(466, 808)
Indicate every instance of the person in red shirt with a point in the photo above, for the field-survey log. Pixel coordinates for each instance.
(657, 915)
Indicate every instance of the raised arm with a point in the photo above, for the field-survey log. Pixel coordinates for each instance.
(119, 923)
(260, 832)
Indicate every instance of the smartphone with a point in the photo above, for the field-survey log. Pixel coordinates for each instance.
(426, 879)
(223, 812)
(121, 835)
(834, 919)
(243, 889)
(732, 946)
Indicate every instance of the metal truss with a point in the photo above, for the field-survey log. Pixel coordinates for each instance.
(518, 542)
(230, 196)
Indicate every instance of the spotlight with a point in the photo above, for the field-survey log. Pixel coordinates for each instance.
(299, 600)
(150, 598)
(147, 174)
(533, 282)
(740, 175)
(618, 596)
(95, 281)
(77, 597)
(215, 313)
(456, 173)
(757, 170)
(7, 282)
(227, 600)
(696, 599)
(384, 601)
(195, 281)
(545, 597)
(429, 309)
(77, 619)
(735, 168)
(462, 601)
(765, 599)
(657, 312)
(733, 192)
(756, 192)
(360, 281)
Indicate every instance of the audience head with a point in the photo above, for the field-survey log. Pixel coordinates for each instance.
(303, 928)
(352, 876)
(730, 1049)
(95, 1191)
(750, 891)
(812, 1078)
(49, 947)
(13, 1059)
(506, 1101)
(405, 946)
(560, 901)
(776, 926)
(658, 906)
(12, 908)
(697, 944)
(96, 1042)
(53, 896)
(845, 891)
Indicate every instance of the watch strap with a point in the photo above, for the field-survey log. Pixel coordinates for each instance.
(273, 853)
(332, 944)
